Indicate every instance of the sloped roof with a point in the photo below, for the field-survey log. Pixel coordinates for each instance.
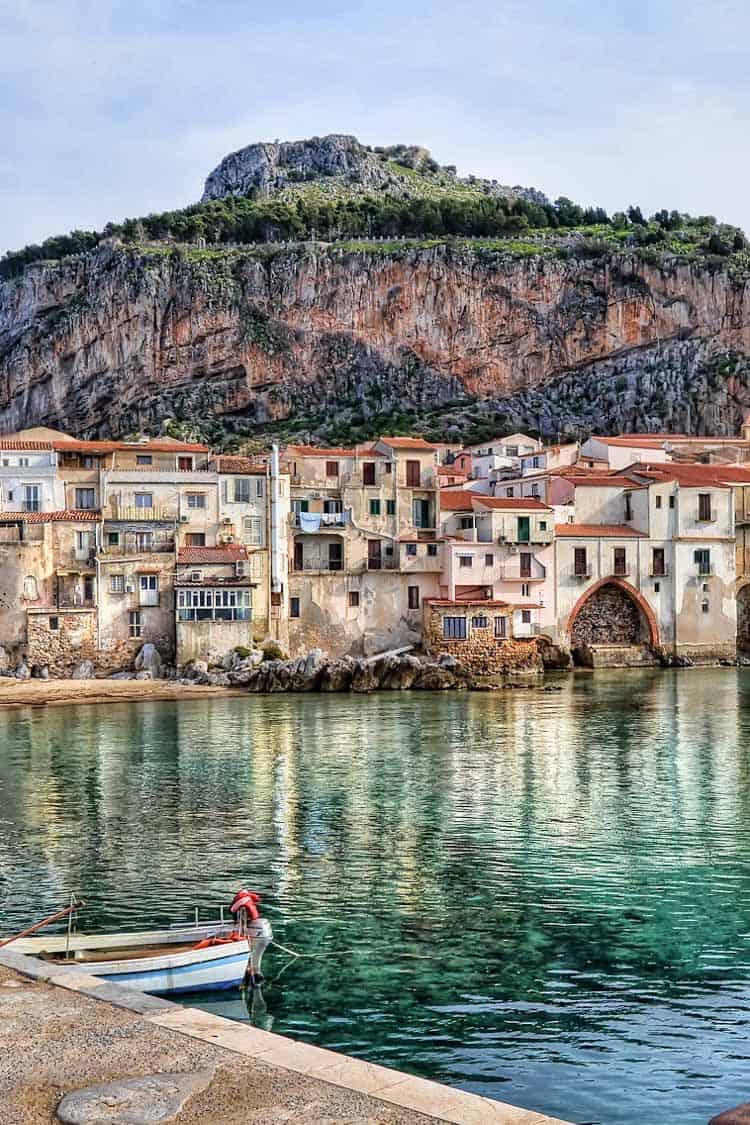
(319, 451)
(66, 515)
(160, 445)
(244, 465)
(511, 503)
(21, 443)
(408, 443)
(597, 531)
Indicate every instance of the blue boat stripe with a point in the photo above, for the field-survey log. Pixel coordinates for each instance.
(176, 970)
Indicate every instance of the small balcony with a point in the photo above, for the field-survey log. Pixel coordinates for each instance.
(581, 574)
(126, 513)
(136, 546)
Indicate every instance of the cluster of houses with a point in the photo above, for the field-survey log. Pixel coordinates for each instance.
(619, 550)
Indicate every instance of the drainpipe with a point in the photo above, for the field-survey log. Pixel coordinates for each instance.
(275, 528)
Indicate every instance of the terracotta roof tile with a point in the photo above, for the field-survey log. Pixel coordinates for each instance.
(511, 503)
(39, 446)
(319, 451)
(67, 515)
(597, 531)
(244, 465)
(408, 443)
(158, 445)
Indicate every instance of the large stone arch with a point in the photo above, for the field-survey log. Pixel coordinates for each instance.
(612, 612)
(743, 615)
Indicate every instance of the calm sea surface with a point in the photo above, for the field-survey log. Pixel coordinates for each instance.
(542, 897)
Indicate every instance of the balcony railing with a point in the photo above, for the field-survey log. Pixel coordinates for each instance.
(131, 547)
(656, 572)
(68, 601)
(319, 564)
(582, 573)
(133, 513)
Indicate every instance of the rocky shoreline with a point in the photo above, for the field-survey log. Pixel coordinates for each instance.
(267, 670)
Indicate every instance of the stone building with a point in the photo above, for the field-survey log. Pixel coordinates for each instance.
(648, 563)
(214, 593)
(363, 550)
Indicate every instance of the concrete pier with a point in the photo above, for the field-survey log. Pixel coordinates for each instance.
(63, 1031)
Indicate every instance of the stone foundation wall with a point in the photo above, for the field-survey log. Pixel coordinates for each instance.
(616, 656)
(75, 639)
(481, 652)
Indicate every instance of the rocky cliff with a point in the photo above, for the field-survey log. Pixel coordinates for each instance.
(119, 339)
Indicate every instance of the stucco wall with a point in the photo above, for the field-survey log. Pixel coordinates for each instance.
(202, 640)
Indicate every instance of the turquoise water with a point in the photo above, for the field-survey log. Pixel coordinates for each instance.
(542, 897)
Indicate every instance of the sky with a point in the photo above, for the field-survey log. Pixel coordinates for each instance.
(112, 109)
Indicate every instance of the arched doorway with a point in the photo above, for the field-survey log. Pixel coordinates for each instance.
(611, 613)
(743, 618)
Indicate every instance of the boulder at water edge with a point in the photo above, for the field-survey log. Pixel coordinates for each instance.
(23, 672)
(740, 1115)
(84, 670)
(148, 660)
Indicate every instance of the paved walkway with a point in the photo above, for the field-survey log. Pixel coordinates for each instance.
(78, 1032)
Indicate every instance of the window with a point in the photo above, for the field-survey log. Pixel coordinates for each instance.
(30, 588)
(542, 525)
(148, 585)
(454, 628)
(509, 492)
(390, 507)
(535, 491)
(113, 538)
(144, 500)
(300, 506)
(54, 623)
(466, 523)
(658, 501)
(185, 464)
(388, 467)
(524, 560)
(134, 623)
(413, 593)
(413, 474)
(526, 616)
(332, 468)
(389, 552)
(580, 562)
(465, 560)
(705, 606)
(657, 562)
(628, 506)
(252, 530)
(31, 498)
(432, 550)
(224, 604)
(704, 506)
(196, 576)
(620, 561)
(196, 499)
(374, 507)
(525, 590)
(332, 507)
(195, 539)
(368, 473)
(353, 598)
(144, 459)
(259, 488)
(144, 540)
(489, 560)
(671, 501)
(241, 491)
(501, 628)
(117, 583)
(480, 622)
(294, 607)
(657, 587)
(85, 498)
(702, 559)
(84, 544)
(23, 462)
(411, 550)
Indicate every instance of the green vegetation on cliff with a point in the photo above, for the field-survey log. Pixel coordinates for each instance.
(518, 225)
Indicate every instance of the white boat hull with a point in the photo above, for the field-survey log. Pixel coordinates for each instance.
(164, 972)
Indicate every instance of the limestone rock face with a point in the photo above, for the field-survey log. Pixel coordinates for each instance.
(115, 341)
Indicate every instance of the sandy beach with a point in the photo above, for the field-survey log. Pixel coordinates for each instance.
(40, 693)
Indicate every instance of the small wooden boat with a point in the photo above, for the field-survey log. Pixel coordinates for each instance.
(186, 957)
